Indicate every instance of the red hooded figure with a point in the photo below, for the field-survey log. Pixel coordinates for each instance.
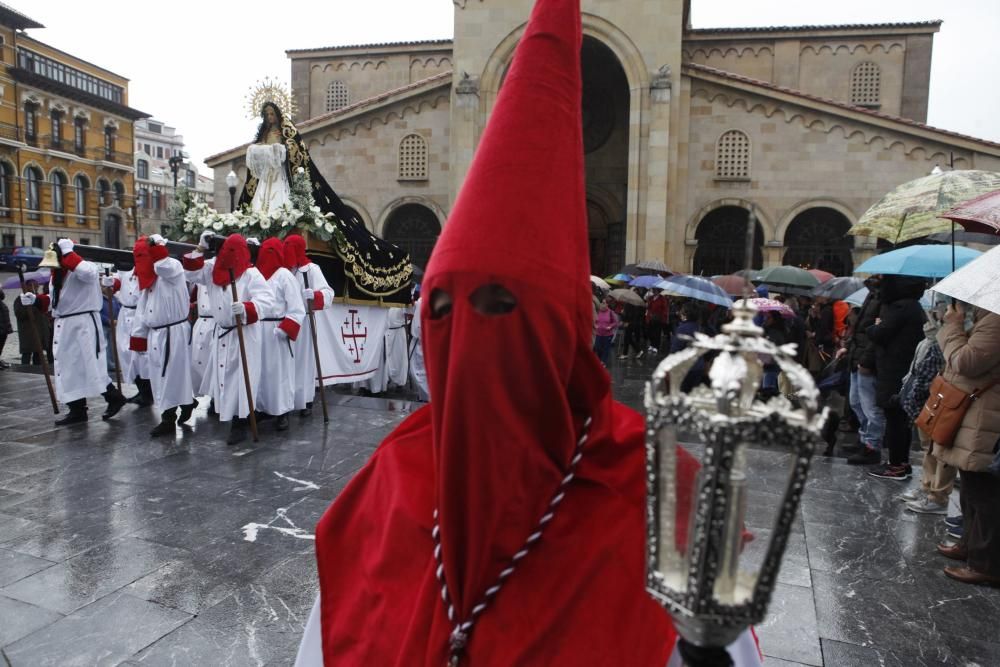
(271, 257)
(504, 523)
(295, 252)
(234, 255)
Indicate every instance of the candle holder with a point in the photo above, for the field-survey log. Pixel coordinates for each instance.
(695, 535)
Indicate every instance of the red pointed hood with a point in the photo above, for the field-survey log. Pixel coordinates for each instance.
(143, 263)
(234, 255)
(271, 257)
(509, 392)
(295, 252)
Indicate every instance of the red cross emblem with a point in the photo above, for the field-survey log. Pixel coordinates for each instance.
(354, 338)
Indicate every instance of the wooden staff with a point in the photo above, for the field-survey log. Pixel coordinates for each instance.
(319, 367)
(37, 339)
(243, 358)
(112, 324)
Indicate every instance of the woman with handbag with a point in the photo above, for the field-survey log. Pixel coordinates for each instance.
(972, 365)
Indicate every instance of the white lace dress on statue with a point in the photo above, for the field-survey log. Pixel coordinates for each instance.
(267, 163)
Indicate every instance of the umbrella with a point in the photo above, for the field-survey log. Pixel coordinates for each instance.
(694, 287)
(926, 261)
(858, 298)
(733, 285)
(821, 276)
(915, 208)
(600, 284)
(976, 282)
(40, 276)
(768, 305)
(838, 289)
(964, 237)
(626, 296)
(636, 270)
(645, 281)
(654, 265)
(619, 279)
(789, 276)
(981, 214)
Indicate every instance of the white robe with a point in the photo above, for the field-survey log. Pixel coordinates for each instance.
(202, 337)
(162, 319)
(78, 346)
(418, 372)
(267, 163)
(276, 394)
(225, 379)
(305, 362)
(394, 366)
(133, 364)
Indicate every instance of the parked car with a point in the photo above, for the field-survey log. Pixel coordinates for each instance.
(25, 257)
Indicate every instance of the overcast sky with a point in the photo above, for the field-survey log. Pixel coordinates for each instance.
(191, 64)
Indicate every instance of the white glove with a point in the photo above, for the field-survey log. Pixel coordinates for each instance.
(238, 309)
(65, 246)
(107, 281)
(27, 299)
(157, 239)
(203, 239)
(308, 294)
(253, 241)
(280, 334)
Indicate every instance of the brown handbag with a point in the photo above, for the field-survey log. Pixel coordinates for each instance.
(945, 409)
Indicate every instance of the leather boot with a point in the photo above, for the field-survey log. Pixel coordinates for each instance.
(115, 402)
(77, 413)
(186, 411)
(237, 431)
(167, 425)
(211, 408)
(306, 411)
(282, 423)
(145, 397)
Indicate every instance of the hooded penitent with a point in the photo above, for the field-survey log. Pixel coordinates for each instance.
(234, 256)
(512, 391)
(146, 254)
(271, 257)
(295, 252)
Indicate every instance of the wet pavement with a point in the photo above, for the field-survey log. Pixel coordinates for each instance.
(115, 549)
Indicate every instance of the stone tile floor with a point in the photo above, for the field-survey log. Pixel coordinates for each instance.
(115, 549)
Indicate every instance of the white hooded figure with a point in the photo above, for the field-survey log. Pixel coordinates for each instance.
(418, 372)
(394, 366)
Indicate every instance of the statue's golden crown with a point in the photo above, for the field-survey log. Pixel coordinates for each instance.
(269, 90)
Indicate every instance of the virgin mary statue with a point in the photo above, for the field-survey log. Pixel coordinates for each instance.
(364, 268)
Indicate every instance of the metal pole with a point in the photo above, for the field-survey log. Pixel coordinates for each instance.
(315, 342)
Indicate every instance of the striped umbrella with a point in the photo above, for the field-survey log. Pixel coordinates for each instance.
(693, 287)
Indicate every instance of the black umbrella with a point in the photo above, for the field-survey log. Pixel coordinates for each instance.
(838, 289)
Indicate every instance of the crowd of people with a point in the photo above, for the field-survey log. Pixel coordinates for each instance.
(874, 365)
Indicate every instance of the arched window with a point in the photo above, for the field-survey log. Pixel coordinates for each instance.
(142, 169)
(5, 174)
(34, 178)
(413, 158)
(336, 96)
(104, 188)
(866, 85)
(732, 156)
(415, 229)
(142, 198)
(119, 193)
(80, 186)
(58, 183)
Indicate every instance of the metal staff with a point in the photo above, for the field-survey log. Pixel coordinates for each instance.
(114, 334)
(37, 340)
(243, 358)
(319, 368)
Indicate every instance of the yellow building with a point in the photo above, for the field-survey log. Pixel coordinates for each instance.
(66, 144)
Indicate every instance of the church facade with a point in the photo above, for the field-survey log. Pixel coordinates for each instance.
(687, 132)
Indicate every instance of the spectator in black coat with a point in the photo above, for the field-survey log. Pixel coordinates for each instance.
(895, 336)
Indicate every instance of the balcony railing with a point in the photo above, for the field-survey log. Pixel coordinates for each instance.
(12, 132)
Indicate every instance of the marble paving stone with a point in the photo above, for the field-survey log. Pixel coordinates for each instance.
(15, 566)
(91, 575)
(794, 565)
(20, 619)
(845, 551)
(62, 505)
(771, 661)
(123, 623)
(842, 654)
(790, 630)
(15, 527)
(9, 450)
(969, 652)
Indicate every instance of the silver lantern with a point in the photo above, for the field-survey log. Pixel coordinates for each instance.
(695, 534)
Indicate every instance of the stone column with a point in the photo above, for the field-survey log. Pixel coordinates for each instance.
(462, 140)
(653, 237)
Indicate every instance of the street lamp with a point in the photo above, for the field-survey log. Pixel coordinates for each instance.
(231, 180)
(696, 566)
(175, 163)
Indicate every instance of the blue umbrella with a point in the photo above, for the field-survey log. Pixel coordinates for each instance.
(694, 287)
(925, 261)
(645, 281)
(858, 298)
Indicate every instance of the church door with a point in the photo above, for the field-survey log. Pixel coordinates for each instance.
(415, 229)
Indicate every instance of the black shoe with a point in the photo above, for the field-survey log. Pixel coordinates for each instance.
(186, 411)
(115, 402)
(306, 411)
(211, 408)
(134, 400)
(145, 398)
(165, 427)
(73, 417)
(867, 456)
(282, 422)
(237, 432)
